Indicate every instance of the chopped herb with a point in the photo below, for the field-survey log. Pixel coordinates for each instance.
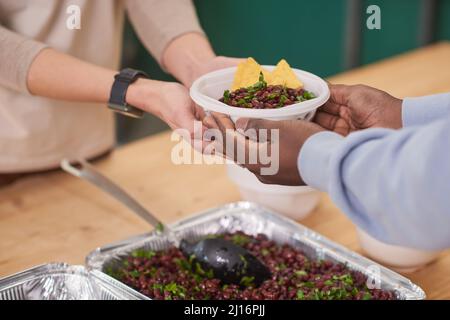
(300, 295)
(226, 96)
(300, 273)
(244, 260)
(210, 274)
(367, 296)
(283, 99)
(308, 95)
(141, 253)
(199, 269)
(240, 240)
(308, 284)
(347, 279)
(280, 267)
(328, 283)
(247, 281)
(113, 272)
(134, 273)
(159, 227)
(318, 295)
(183, 264)
(261, 77)
(241, 102)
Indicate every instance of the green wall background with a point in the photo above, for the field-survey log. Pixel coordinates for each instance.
(399, 29)
(269, 30)
(443, 20)
(310, 34)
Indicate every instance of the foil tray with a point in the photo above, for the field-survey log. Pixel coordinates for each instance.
(60, 281)
(253, 219)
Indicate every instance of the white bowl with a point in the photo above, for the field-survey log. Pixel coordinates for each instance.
(295, 202)
(401, 259)
(208, 89)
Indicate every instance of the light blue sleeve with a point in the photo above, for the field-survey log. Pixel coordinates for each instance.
(395, 185)
(423, 110)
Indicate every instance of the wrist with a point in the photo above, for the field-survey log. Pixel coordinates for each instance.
(186, 55)
(394, 115)
(314, 158)
(144, 94)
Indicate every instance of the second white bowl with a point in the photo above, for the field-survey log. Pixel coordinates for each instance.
(401, 259)
(294, 202)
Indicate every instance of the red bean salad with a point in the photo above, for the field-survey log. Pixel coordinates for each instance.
(263, 96)
(169, 275)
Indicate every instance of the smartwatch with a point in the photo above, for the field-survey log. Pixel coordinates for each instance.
(117, 99)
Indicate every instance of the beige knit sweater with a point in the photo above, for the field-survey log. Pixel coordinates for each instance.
(36, 133)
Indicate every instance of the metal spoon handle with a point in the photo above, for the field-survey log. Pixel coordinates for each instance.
(88, 173)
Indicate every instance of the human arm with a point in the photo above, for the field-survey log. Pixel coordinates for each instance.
(393, 184)
(423, 110)
(358, 107)
(172, 34)
(33, 68)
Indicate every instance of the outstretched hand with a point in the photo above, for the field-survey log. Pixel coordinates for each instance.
(282, 144)
(358, 107)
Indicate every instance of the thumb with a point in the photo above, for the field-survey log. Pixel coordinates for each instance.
(246, 123)
(251, 128)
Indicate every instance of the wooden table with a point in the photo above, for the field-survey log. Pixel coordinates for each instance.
(54, 217)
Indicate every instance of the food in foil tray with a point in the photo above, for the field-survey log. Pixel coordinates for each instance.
(169, 275)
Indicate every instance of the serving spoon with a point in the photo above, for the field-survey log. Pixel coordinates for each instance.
(230, 263)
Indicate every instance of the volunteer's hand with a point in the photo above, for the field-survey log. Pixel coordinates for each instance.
(358, 107)
(169, 101)
(292, 135)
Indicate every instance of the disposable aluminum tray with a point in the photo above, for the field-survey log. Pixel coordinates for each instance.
(60, 281)
(253, 219)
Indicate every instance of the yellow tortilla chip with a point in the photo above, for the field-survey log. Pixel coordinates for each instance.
(247, 74)
(283, 75)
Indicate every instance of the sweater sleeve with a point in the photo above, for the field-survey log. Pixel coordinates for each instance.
(17, 53)
(393, 184)
(158, 22)
(423, 110)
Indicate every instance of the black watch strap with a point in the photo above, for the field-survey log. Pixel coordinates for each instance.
(117, 99)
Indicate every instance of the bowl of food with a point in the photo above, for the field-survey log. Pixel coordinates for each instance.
(401, 259)
(294, 202)
(264, 92)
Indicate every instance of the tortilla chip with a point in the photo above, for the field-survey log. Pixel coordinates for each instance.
(247, 74)
(283, 75)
